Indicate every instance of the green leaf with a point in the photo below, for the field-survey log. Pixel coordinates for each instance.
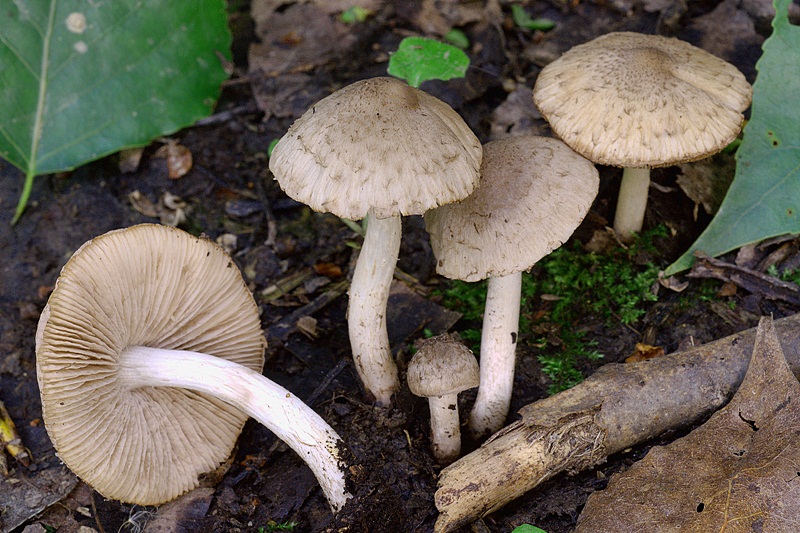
(419, 59)
(523, 20)
(527, 528)
(80, 80)
(763, 200)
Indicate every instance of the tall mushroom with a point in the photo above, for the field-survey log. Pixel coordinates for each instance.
(149, 356)
(639, 102)
(377, 149)
(534, 193)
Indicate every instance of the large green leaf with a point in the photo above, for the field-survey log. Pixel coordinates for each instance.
(764, 199)
(82, 79)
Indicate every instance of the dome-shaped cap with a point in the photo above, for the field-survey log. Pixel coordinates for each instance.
(633, 100)
(380, 144)
(534, 193)
(146, 285)
(442, 365)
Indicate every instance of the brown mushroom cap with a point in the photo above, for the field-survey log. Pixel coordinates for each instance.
(175, 291)
(441, 366)
(380, 144)
(633, 100)
(534, 192)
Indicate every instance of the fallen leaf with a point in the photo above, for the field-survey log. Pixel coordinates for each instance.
(295, 40)
(516, 115)
(738, 472)
(644, 352)
(706, 182)
(178, 157)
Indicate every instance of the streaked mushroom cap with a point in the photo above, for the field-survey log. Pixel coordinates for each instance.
(633, 100)
(442, 365)
(534, 193)
(146, 285)
(380, 144)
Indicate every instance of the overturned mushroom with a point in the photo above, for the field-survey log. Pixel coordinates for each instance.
(534, 193)
(639, 102)
(377, 149)
(149, 356)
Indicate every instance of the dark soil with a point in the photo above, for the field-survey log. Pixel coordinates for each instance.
(229, 191)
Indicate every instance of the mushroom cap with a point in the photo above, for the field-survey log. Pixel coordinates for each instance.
(378, 143)
(633, 100)
(534, 193)
(442, 365)
(147, 285)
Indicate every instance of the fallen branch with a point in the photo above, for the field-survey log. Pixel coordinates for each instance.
(617, 407)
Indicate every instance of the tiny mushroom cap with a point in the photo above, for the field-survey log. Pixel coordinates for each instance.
(146, 445)
(377, 144)
(633, 100)
(534, 193)
(442, 366)
(377, 149)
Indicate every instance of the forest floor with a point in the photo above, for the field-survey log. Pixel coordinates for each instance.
(288, 55)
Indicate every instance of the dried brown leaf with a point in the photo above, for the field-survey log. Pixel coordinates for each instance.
(738, 472)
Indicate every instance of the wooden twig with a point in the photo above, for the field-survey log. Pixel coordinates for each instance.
(621, 405)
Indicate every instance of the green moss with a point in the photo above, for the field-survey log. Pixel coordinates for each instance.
(565, 289)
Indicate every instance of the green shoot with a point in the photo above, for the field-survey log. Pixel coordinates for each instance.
(355, 14)
(523, 20)
(457, 38)
(419, 59)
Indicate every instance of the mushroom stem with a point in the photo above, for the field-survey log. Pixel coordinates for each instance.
(631, 202)
(445, 430)
(366, 311)
(498, 346)
(276, 408)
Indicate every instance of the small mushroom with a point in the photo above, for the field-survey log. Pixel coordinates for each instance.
(441, 368)
(149, 356)
(534, 193)
(639, 102)
(377, 149)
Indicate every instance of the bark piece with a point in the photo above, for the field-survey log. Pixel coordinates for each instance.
(620, 406)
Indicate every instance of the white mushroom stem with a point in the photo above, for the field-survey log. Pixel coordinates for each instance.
(276, 408)
(445, 430)
(498, 347)
(366, 311)
(631, 202)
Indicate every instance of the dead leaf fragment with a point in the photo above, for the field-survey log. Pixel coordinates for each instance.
(178, 157)
(738, 472)
(644, 352)
(706, 182)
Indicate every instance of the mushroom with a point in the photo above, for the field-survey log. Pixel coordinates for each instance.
(639, 102)
(148, 357)
(377, 149)
(534, 193)
(441, 368)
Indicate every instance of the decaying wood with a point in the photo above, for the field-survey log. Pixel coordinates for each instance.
(617, 407)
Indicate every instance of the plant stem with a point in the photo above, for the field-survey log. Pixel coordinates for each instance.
(631, 202)
(498, 347)
(366, 311)
(276, 408)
